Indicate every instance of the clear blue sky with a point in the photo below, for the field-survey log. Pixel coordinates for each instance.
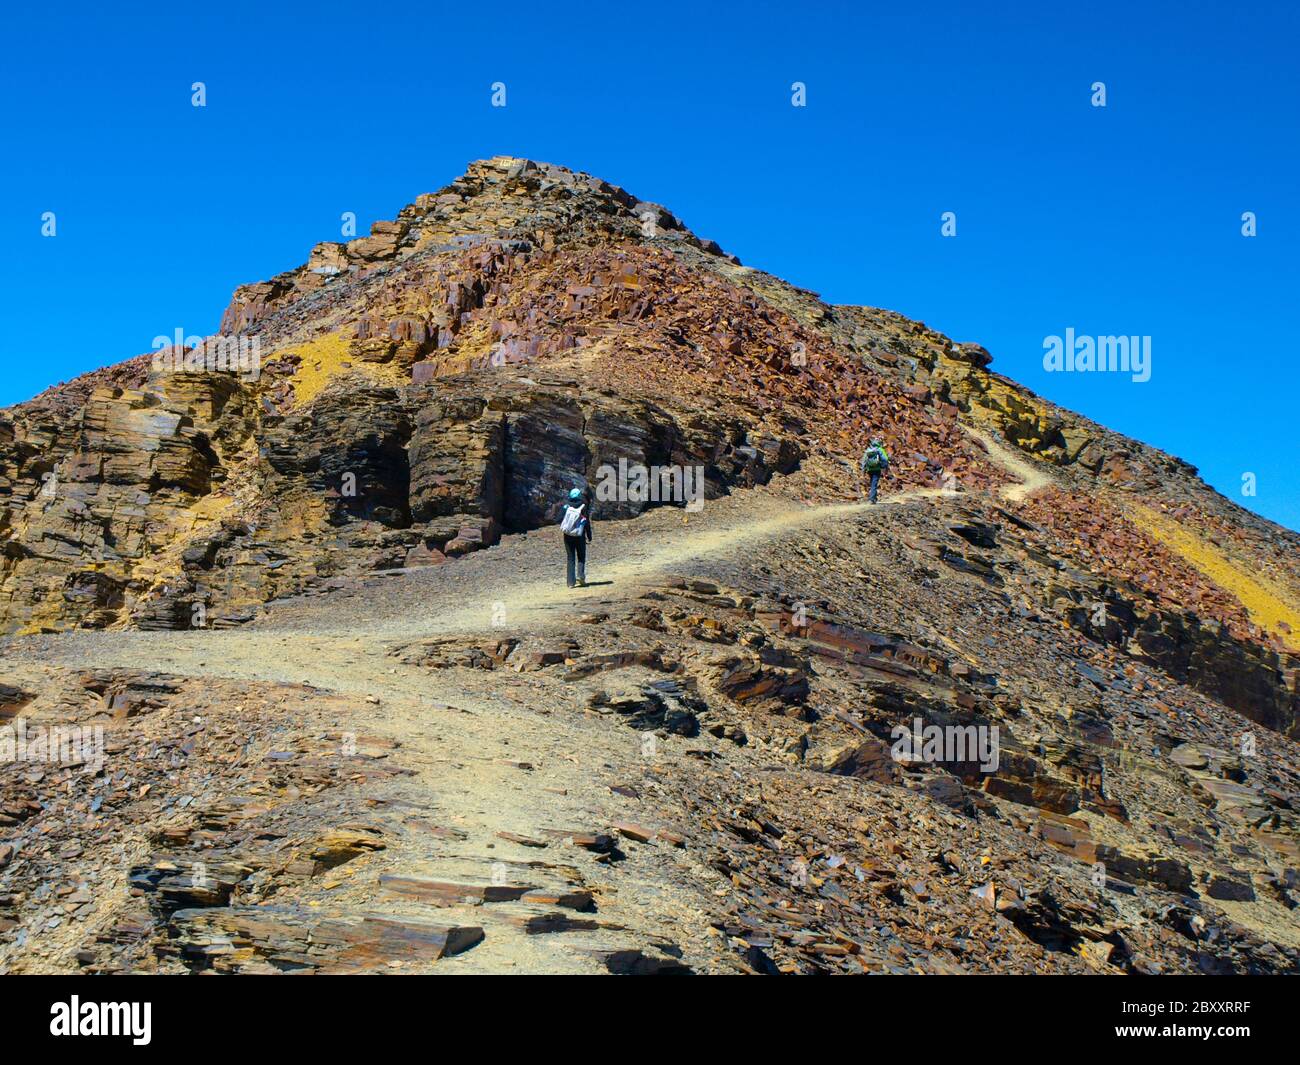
(1115, 220)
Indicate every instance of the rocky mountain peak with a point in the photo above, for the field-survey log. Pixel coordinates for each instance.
(329, 529)
(504, 202)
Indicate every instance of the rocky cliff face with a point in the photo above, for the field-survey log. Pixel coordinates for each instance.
(420, 390)
(424, 388)
(424, 391)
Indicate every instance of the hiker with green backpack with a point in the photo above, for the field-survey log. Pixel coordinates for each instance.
(575, 524)
(875, 461)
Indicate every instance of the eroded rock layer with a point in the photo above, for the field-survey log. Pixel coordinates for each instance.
(295, 532)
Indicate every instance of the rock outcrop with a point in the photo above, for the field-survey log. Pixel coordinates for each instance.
(382, 422)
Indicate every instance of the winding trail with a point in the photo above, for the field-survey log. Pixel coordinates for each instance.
(1030, 477)
(320, 639)
(463, 735)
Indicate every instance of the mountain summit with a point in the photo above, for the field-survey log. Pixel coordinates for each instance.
(356, 461)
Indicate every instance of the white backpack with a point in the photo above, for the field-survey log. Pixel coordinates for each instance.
(572, 522)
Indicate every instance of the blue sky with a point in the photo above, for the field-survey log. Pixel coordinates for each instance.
(1117, 220)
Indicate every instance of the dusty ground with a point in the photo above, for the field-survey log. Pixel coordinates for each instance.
(444, 762)
(460, 731)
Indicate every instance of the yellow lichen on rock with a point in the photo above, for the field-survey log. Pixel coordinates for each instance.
(326, 358)
(1270, 607)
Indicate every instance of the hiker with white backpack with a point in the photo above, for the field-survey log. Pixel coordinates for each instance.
(575, 524)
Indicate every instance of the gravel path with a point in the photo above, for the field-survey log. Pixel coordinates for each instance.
(492, 752)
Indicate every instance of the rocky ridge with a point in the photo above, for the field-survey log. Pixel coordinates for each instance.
(426, 393)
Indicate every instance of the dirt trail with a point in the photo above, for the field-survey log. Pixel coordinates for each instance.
(1030, 477)
(529, 601)
(465, 733)
(294, 639)
(341, 644)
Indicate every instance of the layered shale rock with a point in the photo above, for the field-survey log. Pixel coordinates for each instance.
(445, 380)
(422, 395)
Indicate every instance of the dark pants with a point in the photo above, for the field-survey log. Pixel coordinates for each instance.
(875, 483)
(575, 547)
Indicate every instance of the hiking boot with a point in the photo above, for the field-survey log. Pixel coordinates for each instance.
(582, 582)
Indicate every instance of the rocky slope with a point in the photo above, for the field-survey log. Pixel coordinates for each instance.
(331, 545)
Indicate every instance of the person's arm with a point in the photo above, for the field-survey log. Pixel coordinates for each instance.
(588, 523)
